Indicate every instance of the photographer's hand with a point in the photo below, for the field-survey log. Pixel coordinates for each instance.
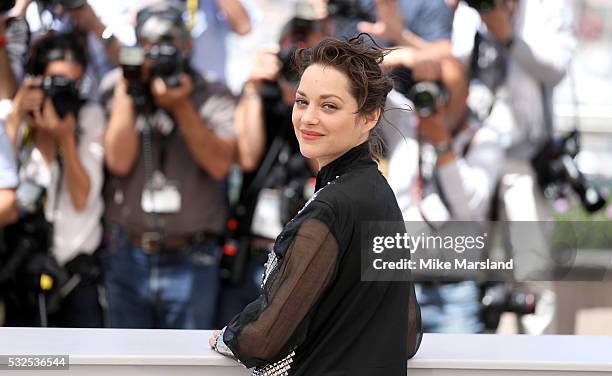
(212, 153)
(169, 97)
(29, 98)
(265, 66)
(434, 130)
(64, 132)
(49, 120)
(499, 23)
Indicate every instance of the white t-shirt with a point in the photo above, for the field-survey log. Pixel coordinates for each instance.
(74, 231)
(465, 184)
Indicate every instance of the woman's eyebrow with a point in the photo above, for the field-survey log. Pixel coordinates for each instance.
(322, 96)
(325, 96)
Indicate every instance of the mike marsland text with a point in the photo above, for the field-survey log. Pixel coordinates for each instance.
(438, 264)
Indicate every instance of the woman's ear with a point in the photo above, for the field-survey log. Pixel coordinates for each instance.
(371, 119)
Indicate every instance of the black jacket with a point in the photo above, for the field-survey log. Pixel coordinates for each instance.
(316, 316)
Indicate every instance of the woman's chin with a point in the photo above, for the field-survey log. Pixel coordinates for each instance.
(308, 151)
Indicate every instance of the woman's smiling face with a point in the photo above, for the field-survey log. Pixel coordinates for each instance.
(325, 118)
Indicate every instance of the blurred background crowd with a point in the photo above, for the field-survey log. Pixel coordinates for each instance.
(148, 160)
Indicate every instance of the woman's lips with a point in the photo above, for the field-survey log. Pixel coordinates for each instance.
(311, 135)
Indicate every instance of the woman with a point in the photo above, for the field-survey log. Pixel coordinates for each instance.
(316, 316)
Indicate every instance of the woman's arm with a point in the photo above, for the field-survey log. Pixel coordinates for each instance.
(415, 328)
(261, 332)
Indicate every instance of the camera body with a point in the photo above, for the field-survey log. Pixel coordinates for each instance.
(168, 63)
(25, 261)
(481, 6)
(498, 298)
(556, 169)
(287, 70)
(63, 93)
(425, 95)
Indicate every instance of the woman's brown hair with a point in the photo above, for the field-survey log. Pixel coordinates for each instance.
(360, 62)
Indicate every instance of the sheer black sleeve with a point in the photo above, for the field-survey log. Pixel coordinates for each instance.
(415, 326)
(272, 326)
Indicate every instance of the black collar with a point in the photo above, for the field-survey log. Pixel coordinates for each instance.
(359, 156)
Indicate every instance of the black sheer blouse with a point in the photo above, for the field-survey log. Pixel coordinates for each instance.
(316, 316)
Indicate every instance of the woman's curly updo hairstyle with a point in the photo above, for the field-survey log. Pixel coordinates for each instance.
(360, 62)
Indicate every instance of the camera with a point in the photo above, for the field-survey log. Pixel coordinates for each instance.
(498, 298)
(63, 93)
(350, 9)
(557, 170)
(168, 63)
(68, 4)
(425, 95)
(131, 60)
(6, 5)
(481, 6)
(287, 70)
(30, 277)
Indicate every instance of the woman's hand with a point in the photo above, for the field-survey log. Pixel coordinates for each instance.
(213, 339)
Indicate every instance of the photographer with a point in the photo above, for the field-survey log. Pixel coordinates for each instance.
(518, 51)
(58, 137)
(76, 16)
(169, 144)
(8, 181)
(275, 174)
(446, 170)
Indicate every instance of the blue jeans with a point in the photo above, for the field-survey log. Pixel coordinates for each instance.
(175, 289)
(233, 299)
(450, 307)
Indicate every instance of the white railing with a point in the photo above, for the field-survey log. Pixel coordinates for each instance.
(185, 352)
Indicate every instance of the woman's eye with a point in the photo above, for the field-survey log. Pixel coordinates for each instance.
(300, 102)
(329, 106)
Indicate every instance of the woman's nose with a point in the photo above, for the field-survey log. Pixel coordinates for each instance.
(310, 115)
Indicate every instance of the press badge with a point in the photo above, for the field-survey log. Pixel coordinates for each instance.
(160, 196)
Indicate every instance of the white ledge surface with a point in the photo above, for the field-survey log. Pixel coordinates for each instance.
(115, 347)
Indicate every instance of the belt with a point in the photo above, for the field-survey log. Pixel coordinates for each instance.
(154, 242)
